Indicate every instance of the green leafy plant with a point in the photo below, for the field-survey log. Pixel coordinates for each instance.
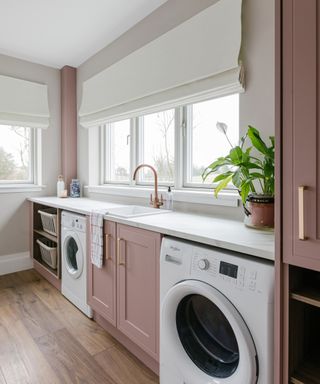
(250, 174)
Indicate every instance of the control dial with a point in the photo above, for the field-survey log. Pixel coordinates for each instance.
(203, 264)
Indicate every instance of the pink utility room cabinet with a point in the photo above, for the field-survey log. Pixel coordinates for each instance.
(124, 293)
(298, 226)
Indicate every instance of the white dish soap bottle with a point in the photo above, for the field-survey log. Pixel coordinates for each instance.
(60, 186)
(169, 199)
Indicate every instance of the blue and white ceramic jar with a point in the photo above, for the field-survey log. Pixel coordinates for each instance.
(75, 188)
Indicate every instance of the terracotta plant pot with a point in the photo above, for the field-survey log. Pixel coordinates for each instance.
(259, 211)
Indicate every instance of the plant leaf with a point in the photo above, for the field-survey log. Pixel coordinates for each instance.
(268, 169)
(236, 178)
(245, 190)
(272, 140)
(256, 140)
(251, 165)
(222, 176)
(236, 155)
(222, 185)
(218, 163)
(256, 175)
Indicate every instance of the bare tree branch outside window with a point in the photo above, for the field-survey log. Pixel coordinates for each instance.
(14, 153)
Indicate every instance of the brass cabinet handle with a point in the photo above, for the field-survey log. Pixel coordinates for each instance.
(301, 190)
(120, 262)
(107, 253)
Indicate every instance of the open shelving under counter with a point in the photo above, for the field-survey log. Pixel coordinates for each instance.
(309, 296)
(307, 373)
(40, 233)
(304, 320)
(45, 234)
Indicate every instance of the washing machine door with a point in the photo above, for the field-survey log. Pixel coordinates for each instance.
(206, 337)
(72, 253)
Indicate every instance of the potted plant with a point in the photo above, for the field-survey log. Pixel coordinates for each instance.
(251, 173)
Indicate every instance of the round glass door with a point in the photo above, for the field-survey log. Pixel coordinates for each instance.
(207, 336)
(73, 257)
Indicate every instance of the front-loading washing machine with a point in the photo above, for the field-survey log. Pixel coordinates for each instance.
(216, 323)
(74, 260)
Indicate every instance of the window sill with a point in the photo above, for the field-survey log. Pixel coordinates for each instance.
(227, 198)
(20, 188)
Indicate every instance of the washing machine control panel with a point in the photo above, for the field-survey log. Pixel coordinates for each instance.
(203, 264)
(209, 267)
(73, 221)
(77, 224)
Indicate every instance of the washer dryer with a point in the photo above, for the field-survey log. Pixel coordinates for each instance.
(74, 260)
(216, 322)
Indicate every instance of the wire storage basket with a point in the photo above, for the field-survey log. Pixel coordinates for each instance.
(49, 220)
(48, 250)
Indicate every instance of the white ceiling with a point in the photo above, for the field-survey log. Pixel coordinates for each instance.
(66, 32)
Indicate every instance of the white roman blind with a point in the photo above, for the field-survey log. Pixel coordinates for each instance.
(23, 103)
(197, 58)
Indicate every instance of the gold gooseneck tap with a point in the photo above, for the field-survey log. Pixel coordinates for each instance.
(155, 202)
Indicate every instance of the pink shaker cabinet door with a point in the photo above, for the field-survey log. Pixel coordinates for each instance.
(102, 281)
(138, 286)
(301, 133)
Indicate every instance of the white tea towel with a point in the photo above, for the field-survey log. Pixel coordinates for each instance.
(96, 232)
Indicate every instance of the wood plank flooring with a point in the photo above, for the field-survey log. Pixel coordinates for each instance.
(44, 339)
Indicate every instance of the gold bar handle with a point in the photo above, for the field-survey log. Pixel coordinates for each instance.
(119, 253)
(301, 190)
(107, 254)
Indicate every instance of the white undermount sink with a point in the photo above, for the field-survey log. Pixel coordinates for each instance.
(130, 211)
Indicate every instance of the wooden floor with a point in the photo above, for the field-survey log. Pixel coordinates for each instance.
(44, 339)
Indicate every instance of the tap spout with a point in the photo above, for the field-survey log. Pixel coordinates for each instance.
(156, 202)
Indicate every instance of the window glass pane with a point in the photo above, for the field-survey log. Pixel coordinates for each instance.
(118, 151)
(15, 153)
(207, 143)
(158, 145)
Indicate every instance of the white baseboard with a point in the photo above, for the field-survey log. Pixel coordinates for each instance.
(15, 263)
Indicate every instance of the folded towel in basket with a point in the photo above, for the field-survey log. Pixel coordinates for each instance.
(96, 232)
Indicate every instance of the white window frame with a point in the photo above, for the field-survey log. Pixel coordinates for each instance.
(139, 152)
(184, 190)
(105, 171)
(35, 181)
(187, 155)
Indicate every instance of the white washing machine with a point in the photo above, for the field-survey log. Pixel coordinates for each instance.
(74, 260)
(216, 322)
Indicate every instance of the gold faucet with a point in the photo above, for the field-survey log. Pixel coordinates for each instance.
(155, 202)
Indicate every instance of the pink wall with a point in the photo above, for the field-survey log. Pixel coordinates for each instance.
(68, 124)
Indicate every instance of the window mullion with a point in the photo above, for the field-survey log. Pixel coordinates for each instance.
(32, 155)
(133, 147)
(38, 157)
(107, 152)
(103, 159)
(187, 146)
(179, 121)
(140, 142)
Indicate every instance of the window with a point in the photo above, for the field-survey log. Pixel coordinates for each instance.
(204, 143)
(117, 154)
(157, 146)
(180, 143)
(16, 154)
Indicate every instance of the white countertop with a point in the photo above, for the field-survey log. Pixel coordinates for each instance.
(223, 233)
(79, 205)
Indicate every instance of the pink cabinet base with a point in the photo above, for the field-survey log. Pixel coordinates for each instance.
(124, 293)
(138, 286)
(129, 344)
